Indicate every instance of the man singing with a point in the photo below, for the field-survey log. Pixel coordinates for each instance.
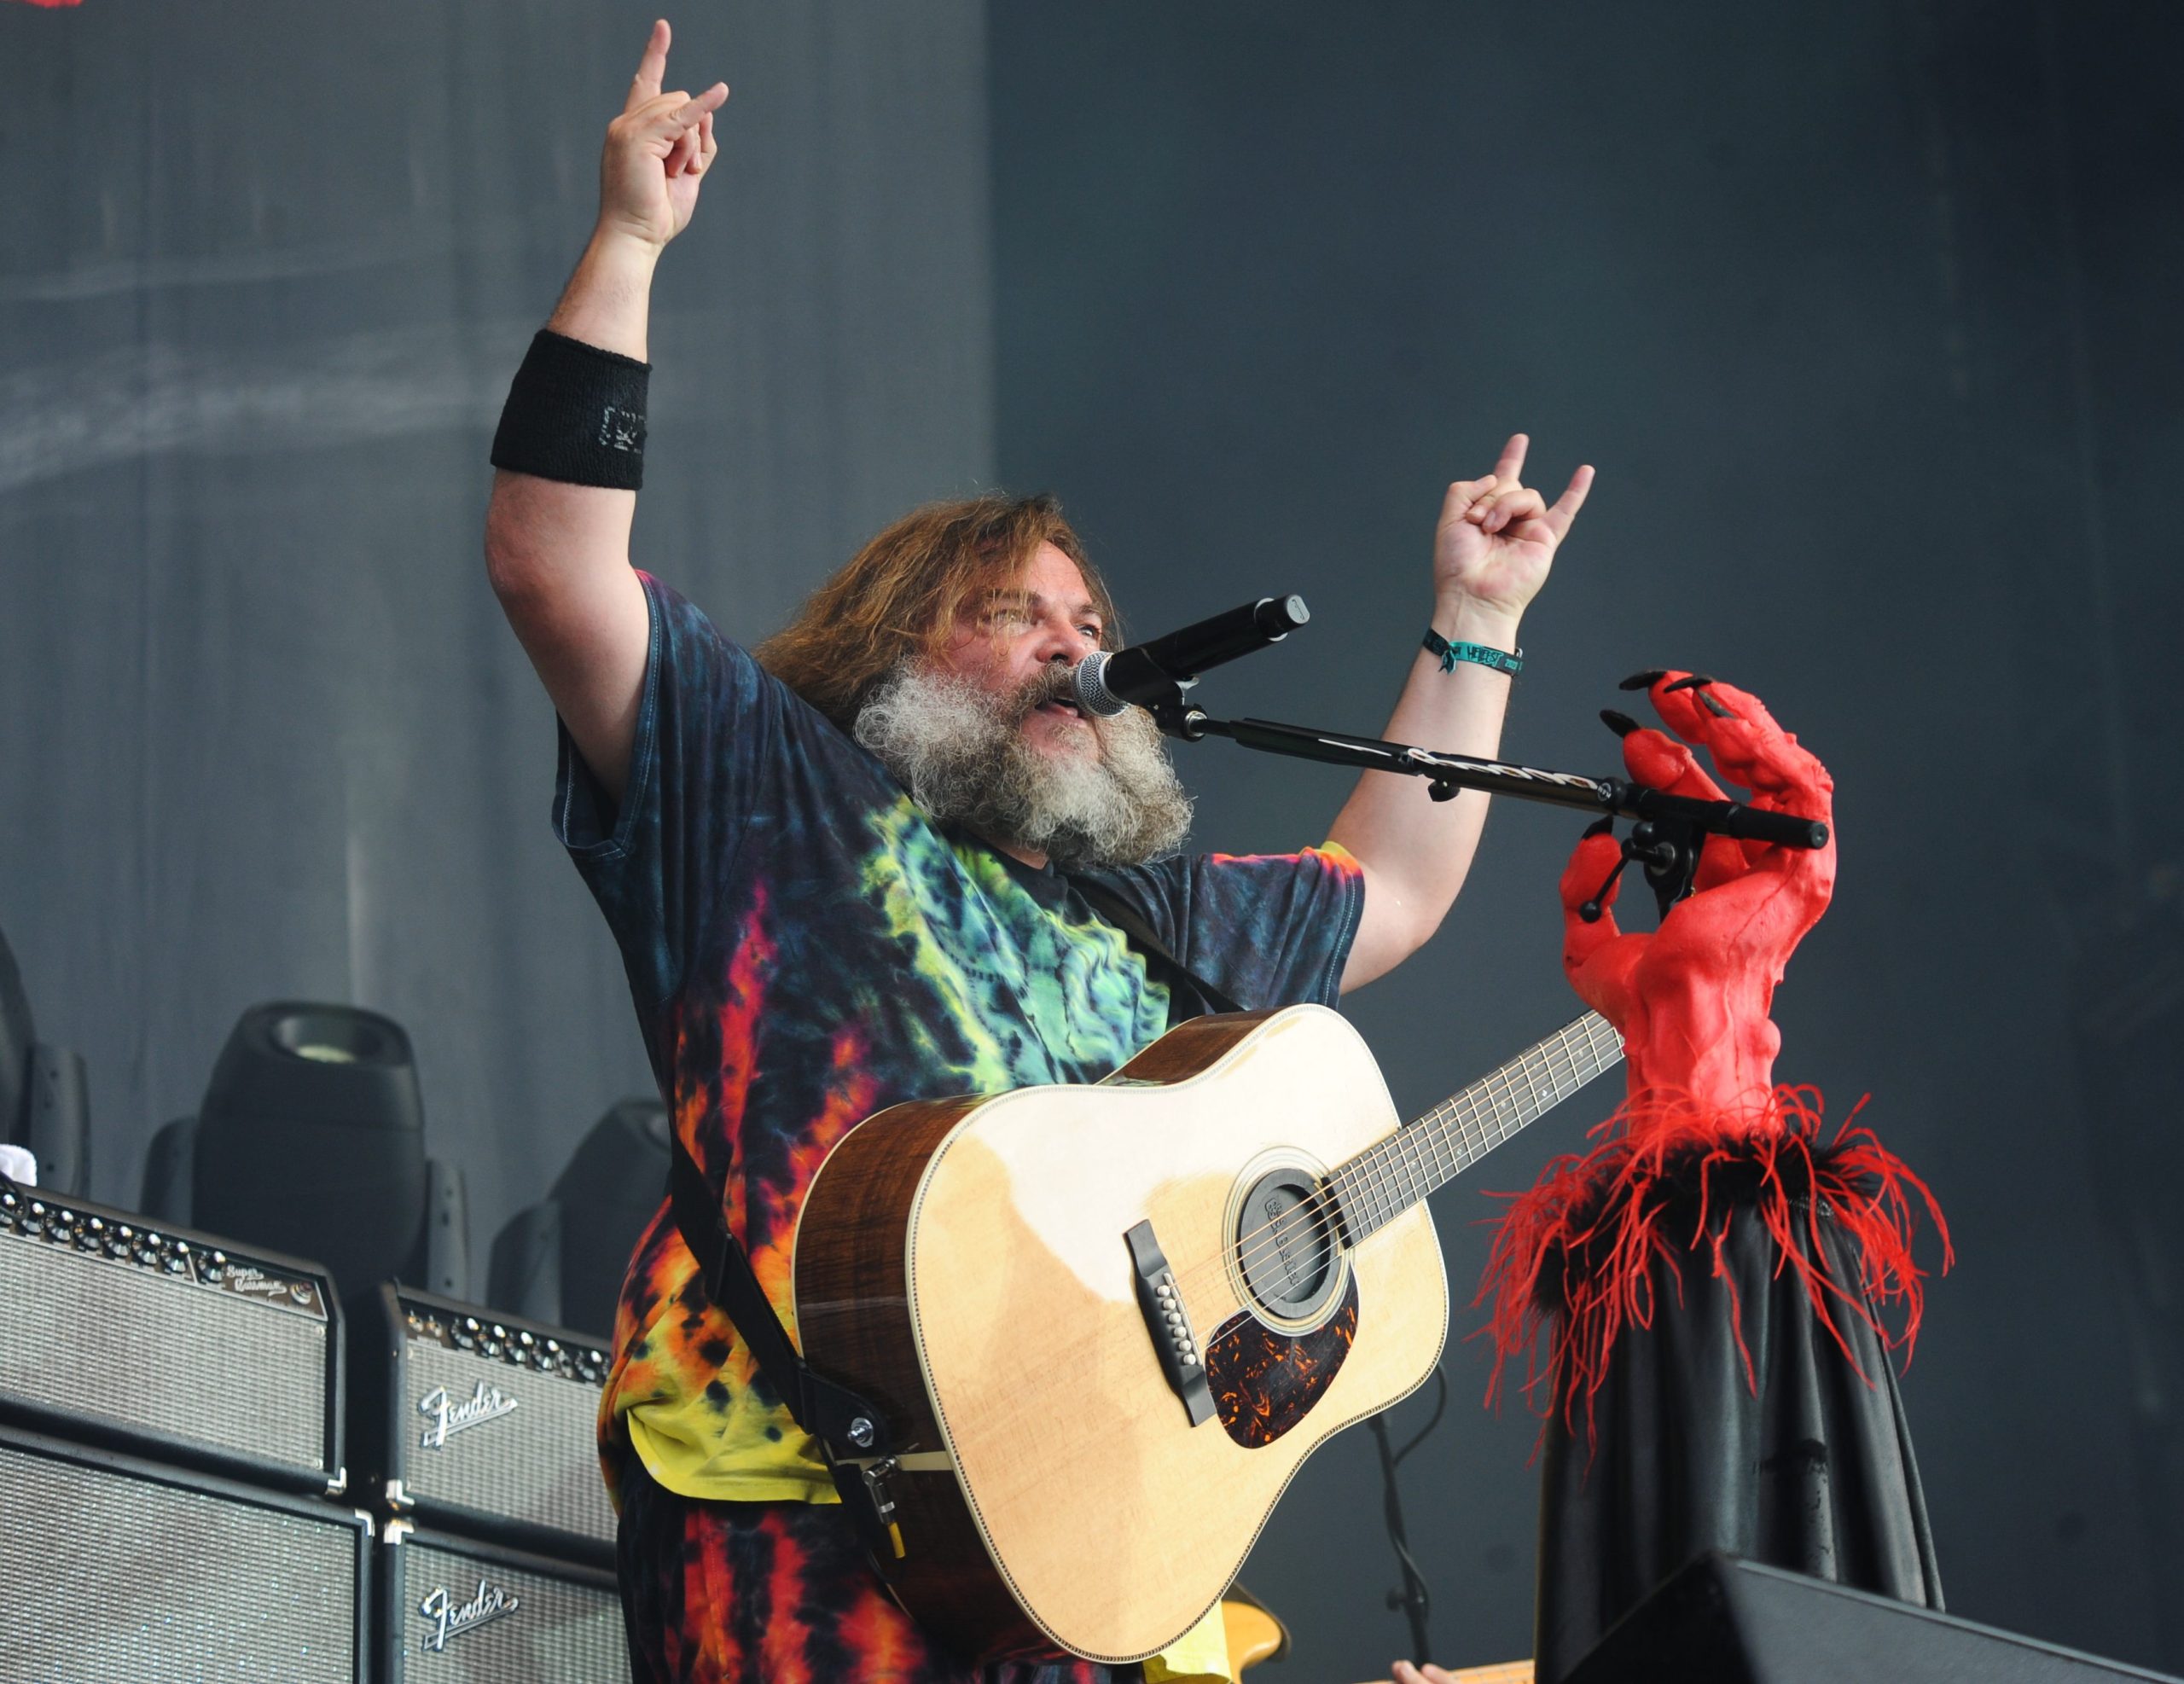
(846, 872)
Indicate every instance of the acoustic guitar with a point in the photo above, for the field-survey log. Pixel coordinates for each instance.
(1107, 1323)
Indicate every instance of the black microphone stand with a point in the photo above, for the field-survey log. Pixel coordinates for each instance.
(1410, 1597)
(1665, 838)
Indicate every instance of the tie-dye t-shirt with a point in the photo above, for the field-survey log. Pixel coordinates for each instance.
(806, 948)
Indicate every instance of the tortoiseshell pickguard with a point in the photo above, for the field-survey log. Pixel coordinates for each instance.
(1265, 1382)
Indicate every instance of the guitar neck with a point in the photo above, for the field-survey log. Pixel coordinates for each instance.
(1390, 1177)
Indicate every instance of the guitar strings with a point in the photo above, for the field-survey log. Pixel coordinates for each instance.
(1404, 1151)
(1413, 1159)
(1401, 1157)
(1479, 1133)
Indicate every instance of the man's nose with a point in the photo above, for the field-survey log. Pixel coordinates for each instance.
(1067, 645)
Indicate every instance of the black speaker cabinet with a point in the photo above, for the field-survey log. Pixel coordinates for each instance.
(1723, 1621)
(167, 1341)
(456, 1611)
(118, 1571)
(483, 1423)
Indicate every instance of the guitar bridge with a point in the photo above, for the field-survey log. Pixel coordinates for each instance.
(1159, 1301)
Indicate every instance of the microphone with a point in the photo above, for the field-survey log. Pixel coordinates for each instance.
(1157, 671)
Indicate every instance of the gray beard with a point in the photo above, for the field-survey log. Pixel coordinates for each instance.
(958, 751)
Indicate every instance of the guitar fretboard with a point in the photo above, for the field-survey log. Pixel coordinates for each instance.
(1393, 1174)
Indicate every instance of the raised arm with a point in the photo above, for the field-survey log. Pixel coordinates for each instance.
(1491, 552)
(558, 552)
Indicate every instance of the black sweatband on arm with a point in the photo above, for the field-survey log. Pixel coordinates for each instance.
(577, 414)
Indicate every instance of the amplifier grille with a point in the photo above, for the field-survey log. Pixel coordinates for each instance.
(525, 1450)
(497, 1622)
(162, 1352)
(111, 1576)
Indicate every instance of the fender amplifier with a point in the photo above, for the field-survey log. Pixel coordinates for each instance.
(456, 1610)
(120, 1569)
(167, 1341)
(484, 1422)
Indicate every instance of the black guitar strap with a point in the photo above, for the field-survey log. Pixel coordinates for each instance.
(855, 1436)
(832, 1413)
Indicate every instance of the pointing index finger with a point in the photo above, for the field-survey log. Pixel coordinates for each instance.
(652, 68)
(1510, 467)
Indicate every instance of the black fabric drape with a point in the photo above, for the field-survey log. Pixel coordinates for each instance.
(1815, 1473)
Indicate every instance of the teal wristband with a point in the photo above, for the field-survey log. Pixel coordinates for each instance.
(1511, 661)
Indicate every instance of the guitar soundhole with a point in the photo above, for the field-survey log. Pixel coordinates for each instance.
(1284, 1246)
(1265, 1382)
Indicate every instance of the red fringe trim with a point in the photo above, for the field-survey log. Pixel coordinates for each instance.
(1575, 1253)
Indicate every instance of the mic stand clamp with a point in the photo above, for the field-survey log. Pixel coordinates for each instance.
(1177, 716)
(1667, 848)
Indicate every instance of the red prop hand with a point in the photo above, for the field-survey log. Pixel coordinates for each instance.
(1692, 999)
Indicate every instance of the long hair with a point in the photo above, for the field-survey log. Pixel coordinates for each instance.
(899, 596)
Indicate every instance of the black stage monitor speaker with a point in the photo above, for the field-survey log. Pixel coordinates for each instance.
(483, 1422)
(1723, 1621)
(119, 1571)
(168, 1341)
(455, 1609)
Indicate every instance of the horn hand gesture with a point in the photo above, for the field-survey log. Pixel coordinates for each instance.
(1497, 535)
(658, 152)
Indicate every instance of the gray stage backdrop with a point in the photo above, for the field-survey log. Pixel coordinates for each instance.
(268, 734)
(1865, 318)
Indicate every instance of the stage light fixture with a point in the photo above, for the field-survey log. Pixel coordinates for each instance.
(312, 1141)
(562, 1259)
